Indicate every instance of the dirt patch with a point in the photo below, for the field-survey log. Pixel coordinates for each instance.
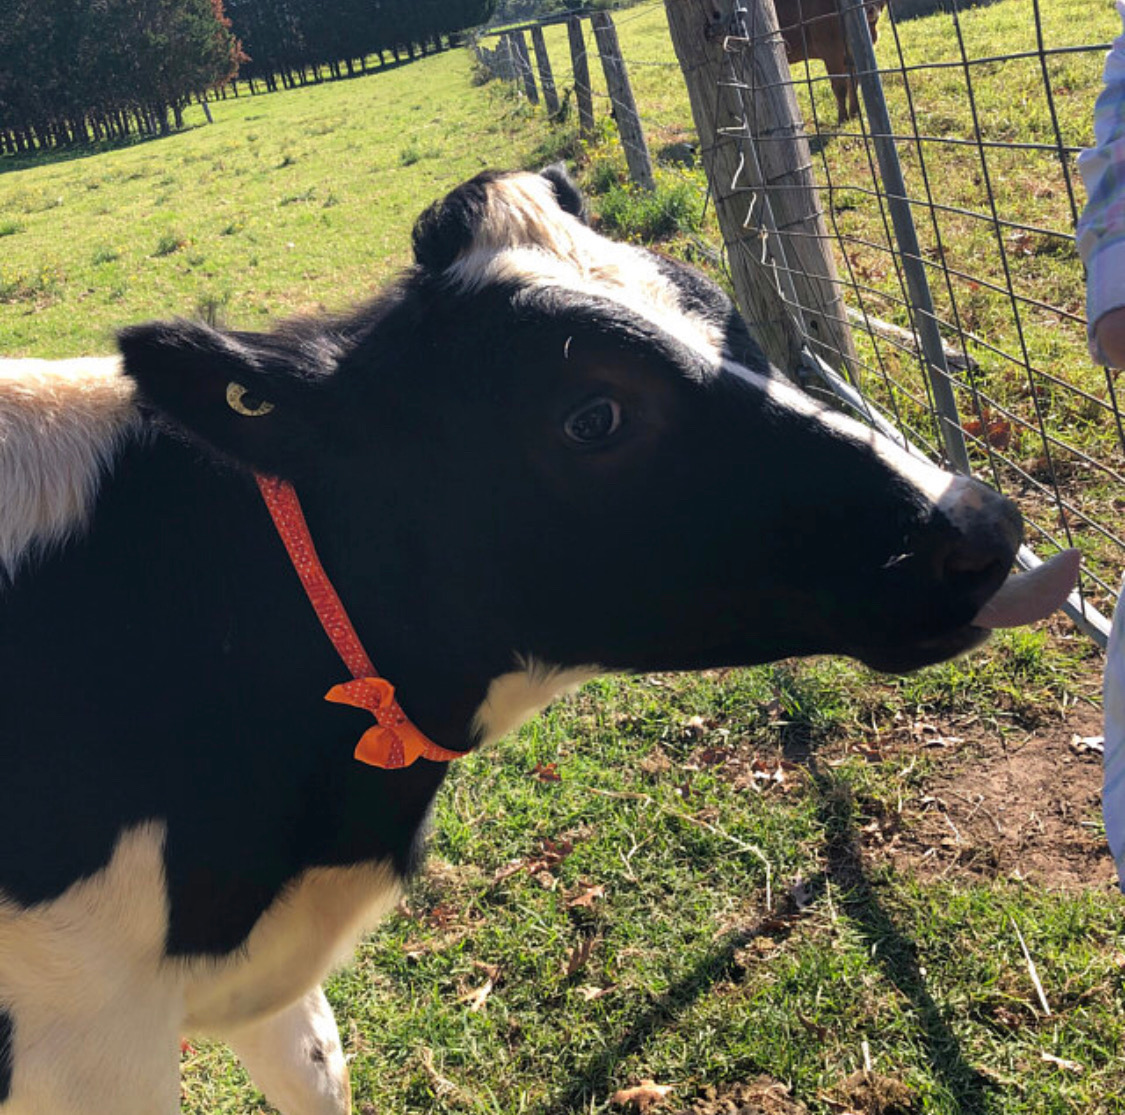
(762, 1096)
(868, 1093)
(1027, 809)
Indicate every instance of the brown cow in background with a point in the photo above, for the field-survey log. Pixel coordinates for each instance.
(815, 29)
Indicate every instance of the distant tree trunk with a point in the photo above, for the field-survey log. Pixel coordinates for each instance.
(178, 113)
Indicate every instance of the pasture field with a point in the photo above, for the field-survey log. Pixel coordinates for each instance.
(795, 888)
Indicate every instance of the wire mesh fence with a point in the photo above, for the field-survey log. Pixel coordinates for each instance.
(983, 110)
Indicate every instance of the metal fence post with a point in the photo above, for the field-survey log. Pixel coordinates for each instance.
(890, 169)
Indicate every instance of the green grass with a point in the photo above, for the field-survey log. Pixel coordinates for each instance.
(748, 923)
(667, 796)
(289, 203)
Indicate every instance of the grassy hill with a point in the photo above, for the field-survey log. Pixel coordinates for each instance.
(288, 203)
(801, 887)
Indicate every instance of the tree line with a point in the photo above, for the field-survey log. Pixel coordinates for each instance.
(285, 40)
(76, 71)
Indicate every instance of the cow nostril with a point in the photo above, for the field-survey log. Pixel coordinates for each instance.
(973, 572)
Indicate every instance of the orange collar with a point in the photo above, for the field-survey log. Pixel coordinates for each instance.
(395, 742)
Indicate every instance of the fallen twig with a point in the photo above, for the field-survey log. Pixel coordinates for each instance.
(1031, 969)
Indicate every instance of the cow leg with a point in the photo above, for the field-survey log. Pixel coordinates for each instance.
(296, 1059)
(841, 86)
(853, 99)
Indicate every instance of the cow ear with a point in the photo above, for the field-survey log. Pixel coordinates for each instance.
(249, 396)
(567, 193)
(448, 226)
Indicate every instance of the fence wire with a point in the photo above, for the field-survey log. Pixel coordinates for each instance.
(986, 142)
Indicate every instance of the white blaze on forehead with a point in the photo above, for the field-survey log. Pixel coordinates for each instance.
(527, 239)
(61, 424)
(946, 491)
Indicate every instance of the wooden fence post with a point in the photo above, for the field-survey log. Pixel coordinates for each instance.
(760, 170)
(523, 62)
(624, 107)
(546, 77)
(581, 67)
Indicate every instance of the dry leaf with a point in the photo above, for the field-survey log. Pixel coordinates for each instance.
(509, 869)
(588, 897)
(642, 1096)
(547, 772)
(576, 957)
(546, 880)
(556, 851)
(443, 915)
(477, 997)
(1088, 743)
(590, 993)
(1063, 1063)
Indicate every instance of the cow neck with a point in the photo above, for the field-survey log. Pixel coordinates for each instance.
(395, 741)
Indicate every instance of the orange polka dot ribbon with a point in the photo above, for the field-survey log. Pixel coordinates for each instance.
(394, 742)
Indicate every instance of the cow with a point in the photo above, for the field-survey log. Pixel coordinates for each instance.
(815, 29)
(539, 456)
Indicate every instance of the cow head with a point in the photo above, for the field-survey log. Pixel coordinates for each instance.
(546, 447)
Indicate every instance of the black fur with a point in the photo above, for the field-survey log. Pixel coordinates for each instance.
(569, 196)
(7, 1041)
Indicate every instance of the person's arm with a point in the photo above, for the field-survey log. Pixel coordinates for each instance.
(1101, 228)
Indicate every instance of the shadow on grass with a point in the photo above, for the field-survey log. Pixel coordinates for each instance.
(889, 946)
(855, 893)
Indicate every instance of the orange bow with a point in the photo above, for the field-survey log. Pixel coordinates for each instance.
(395, 742)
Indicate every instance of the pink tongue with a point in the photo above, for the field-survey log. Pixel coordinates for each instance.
(1027, 597)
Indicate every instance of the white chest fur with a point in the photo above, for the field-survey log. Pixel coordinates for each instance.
(311, 928)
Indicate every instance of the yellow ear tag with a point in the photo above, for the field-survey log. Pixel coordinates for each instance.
(239, 399)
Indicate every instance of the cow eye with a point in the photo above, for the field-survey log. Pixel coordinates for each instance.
(594, 421)
(239, 399)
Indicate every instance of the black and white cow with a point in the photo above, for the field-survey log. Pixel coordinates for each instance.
(540, 456)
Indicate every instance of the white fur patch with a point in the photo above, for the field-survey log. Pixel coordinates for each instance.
(295, 1057)
(96, 1030)
(526, 238)
(942, 489)
(99, 1010)
(61, 425)
(309, 930)
(516, 697)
